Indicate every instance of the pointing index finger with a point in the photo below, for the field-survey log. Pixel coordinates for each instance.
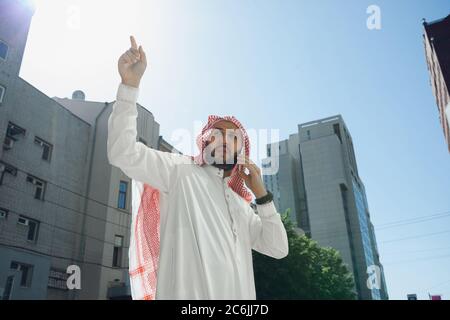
(133, 42)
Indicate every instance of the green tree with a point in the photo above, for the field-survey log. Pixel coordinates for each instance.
(308, 272)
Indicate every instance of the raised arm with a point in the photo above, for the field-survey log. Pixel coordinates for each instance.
(135, 159)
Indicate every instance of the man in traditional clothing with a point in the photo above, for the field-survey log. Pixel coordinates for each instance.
(193, 229)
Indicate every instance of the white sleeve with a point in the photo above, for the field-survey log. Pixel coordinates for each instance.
(135, 159)
(267, 233)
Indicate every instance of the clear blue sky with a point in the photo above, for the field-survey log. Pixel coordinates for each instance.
(275, 64)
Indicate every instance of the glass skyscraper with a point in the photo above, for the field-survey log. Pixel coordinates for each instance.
(318, 182)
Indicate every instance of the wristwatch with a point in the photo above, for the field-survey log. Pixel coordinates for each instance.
(265, 199)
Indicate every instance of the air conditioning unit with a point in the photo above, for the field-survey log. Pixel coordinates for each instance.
(33, 181)
(23, 221)
(8, 143)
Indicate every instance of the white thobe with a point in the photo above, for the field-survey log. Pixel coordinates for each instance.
(207, 231)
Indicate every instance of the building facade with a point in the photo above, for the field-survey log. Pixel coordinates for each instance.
(61, 203)
(436, 39)
(318, 171)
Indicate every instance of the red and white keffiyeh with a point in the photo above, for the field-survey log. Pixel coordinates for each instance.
(145, 233)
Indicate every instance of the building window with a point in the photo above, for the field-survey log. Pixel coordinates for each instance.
(32, 225)
(12, 132)
(3, 50)
(26, 273)
(39, 184)
(2, 93)
(6, 168)
(46, 148)
(33, 230)
(122, 203)
(117, 252)
(308, 133)
(8, 288)
(3, 213)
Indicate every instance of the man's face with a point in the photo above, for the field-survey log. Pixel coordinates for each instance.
(225, 142)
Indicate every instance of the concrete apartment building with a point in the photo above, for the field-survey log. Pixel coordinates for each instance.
(436, 40)
(61, 202)
(318, 181)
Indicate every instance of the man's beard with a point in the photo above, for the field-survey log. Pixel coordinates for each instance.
(226, 166)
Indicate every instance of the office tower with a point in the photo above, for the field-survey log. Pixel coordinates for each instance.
(318, 170)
